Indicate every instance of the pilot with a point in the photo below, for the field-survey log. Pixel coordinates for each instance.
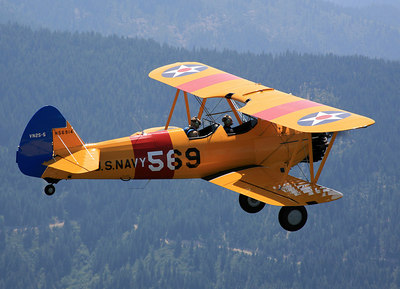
(191, 131)
(227, 120)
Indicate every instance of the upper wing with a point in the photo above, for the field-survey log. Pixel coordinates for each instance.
(302, 114)
(264, 184)
(205, 81)
(261, 101)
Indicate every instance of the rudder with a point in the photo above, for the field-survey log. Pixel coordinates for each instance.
(36, 146)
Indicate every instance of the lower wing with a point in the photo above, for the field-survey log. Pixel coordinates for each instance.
(268, 185)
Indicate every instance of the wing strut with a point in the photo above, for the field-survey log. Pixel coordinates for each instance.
(314, 179)
(311, 158)
(296, 150)
(328, 150)
(187, 106)
(203, 103)
(172, 108)
(234, 110)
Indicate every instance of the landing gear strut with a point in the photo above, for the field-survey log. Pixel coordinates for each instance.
(293, 218)
(49, 190)
(250, 205)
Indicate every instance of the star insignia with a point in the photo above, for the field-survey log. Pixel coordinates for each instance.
(322, 117)
(183, 70)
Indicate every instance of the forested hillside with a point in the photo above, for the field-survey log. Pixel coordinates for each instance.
(313, 26)
(189, 233)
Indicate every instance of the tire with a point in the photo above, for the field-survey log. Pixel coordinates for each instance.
(250, 205)
(292, 218)
(49, 190)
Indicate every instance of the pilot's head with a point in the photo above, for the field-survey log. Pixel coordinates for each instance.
(227, 120)
(195, 122)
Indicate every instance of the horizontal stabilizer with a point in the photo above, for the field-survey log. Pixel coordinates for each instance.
(265, 185)
(82, 161)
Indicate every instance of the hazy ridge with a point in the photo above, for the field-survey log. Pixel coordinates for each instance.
(311, 26)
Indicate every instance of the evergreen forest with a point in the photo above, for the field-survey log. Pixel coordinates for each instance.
(307, 26)
(189, 233)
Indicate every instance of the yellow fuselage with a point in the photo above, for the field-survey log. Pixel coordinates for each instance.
(165, 154)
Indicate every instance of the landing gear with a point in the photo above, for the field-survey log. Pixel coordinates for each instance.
(49, 190)
(250, 205)
(293, 218)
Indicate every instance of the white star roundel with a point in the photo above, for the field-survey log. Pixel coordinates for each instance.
(183, 70)
(322, 117)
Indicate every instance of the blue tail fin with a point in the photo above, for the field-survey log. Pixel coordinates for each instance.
(36, 144)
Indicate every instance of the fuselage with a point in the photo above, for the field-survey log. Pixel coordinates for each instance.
(165, 154)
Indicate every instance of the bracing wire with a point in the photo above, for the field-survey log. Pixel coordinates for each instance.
(141, 187)
(207, 112)
(137, 123)
(304, 175)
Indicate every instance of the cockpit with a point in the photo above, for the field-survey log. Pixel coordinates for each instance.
(215, 115)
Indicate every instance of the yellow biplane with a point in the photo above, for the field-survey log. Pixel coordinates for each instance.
(273, 131)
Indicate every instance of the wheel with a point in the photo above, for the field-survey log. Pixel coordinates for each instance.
(49, 190)
(250, 205)
(292, 218)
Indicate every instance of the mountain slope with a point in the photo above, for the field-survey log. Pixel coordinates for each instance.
(257, 26)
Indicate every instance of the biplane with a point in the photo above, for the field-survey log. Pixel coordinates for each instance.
(273, 131)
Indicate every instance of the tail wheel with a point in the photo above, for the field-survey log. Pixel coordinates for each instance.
(49, 190)
(293, 218)
(250, 205)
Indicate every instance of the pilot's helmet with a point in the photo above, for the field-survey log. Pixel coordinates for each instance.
(195, 122)
(227, 120)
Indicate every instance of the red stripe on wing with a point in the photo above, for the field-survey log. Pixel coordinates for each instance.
(286, 108)
(206, 81)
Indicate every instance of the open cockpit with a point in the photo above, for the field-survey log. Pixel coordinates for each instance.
(212, 113)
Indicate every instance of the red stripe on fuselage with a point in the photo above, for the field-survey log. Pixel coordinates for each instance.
(151, 155)
(286, 108)
(206, 81)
